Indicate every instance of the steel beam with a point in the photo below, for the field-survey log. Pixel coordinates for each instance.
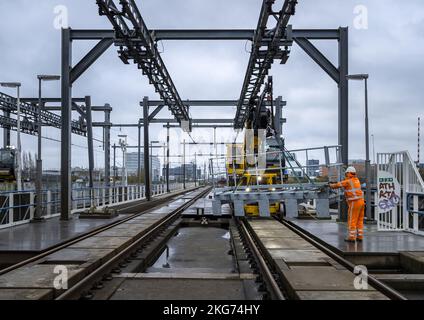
(79, 110)
(146, 148)
(93, 108)
(139, 154)
(66, 112)
(204, 126)
(202, 34)
(315, 34)
(195, 121)
(106, 131)
(205, 103)
(319, 58)
(205, 34)
(90, 58)
(343, 116)
(277, 118)
(344, 95)
(50, 100)
(155, 112)
(90, 147)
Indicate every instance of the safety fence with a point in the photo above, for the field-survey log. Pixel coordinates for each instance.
(19, 207)
(400, 194)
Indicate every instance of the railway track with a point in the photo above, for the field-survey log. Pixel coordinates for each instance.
(133, 210)
(106, 268)
(296, 266)
(168, 253)
(89, 257)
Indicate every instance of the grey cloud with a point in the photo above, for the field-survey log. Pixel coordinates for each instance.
(390, 50)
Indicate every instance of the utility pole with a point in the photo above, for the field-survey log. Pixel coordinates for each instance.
(167, 158)
(39, 183)
(123, 144)
(367, 145)
(114, 164)
(184, 171)
(139, 153)
(195, 169)
(204, 173)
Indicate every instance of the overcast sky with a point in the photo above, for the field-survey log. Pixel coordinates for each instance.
(391, 50)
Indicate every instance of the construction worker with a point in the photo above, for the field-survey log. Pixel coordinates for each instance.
(355, 200)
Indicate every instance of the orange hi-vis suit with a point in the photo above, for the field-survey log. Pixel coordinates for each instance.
(355, 200)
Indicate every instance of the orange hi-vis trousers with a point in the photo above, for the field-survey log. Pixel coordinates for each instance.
(356, 219)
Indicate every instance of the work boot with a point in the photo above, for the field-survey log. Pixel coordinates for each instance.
(359, 239)
(350, 240)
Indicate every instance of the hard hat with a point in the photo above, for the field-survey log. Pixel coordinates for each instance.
(350, 170)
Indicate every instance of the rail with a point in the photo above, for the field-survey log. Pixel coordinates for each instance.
(75, 291)
(318, 243)
(267, 274)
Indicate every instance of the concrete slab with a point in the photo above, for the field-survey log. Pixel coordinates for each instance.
(184, 289)
(41, 236)
(38, 276)
(412, 262)
(79, 256)
(320, 279)
(296, 256)
(164, 209)
(102, 243)
(341, 295)
(276, 233)
(333, 233)
(286, 243)
(132, 226)
(26, 294)
(119, 232)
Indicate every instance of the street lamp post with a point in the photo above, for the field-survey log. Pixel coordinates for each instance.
(151, 159)
(123, 143)
(18, 168)
(39, 183)
(364, 77)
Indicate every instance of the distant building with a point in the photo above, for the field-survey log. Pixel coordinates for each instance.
(132, 164)
(176, 173)
(312, 169)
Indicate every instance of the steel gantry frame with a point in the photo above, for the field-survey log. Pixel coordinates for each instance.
(139, 44)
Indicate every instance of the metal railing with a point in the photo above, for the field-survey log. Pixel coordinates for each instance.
(399, 211)
(18, 207)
